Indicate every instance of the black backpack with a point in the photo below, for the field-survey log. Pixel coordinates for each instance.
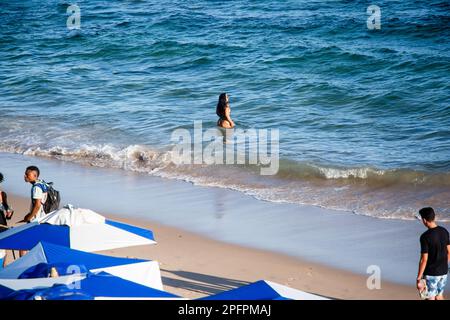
(53, 196)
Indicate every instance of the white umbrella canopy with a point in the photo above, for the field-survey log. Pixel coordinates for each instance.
(37, 262)
(91, 286)
(264, 290)
(76, 228)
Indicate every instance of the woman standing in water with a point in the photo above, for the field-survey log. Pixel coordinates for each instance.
(223, 111)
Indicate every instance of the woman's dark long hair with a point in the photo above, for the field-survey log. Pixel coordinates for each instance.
(221, 105)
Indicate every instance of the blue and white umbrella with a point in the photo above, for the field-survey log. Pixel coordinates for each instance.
(97, 286)
(37, 262)
(264, 290)
(80, 229)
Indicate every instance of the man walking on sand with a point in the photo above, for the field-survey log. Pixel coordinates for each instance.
(434, 258)
(38, 195)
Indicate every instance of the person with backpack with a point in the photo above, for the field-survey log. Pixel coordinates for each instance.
(44, 199)
(38, 194)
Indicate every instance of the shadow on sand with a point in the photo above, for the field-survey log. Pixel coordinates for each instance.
(201, 283)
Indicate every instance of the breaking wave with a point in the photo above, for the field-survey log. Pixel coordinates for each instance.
(380, 193)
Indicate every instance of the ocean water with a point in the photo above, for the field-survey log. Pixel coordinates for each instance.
(364, 115)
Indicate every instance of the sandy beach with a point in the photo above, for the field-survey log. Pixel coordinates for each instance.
(288, 141)
(194, 266)
(213, 239)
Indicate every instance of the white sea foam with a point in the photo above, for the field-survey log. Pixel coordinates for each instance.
(391, 194)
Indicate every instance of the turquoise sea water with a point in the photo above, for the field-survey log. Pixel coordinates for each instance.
(364, 115)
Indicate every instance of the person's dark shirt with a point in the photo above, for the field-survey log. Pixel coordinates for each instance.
(434, 242)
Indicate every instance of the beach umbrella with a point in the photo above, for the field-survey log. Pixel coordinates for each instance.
(97, 286)
(264, 290)
(39, 260)
(80, 229)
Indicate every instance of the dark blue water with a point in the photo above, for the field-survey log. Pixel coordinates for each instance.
(364, 115)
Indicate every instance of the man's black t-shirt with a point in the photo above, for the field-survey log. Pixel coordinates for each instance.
(434, 242)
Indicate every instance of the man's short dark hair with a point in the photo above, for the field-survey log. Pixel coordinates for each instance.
(1, 177)
(427, 214)
(33, 168)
